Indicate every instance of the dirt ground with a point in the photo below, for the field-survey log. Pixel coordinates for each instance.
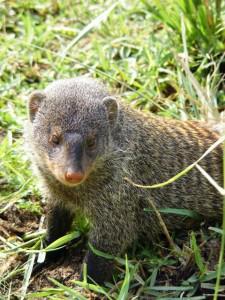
(15, 222)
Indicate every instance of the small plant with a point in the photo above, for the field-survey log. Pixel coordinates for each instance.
(204, 21)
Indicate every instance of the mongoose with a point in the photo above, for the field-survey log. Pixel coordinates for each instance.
(85, 142)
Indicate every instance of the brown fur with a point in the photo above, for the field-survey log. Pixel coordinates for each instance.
(145, 148)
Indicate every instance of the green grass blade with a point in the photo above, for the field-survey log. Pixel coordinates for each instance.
(178, 211)
(100, 253)
(63, 240)
(183, 172)
(197, 255)
(70, 291)
(123, 295)
(89, 27)
(217, 230)
(90, 286)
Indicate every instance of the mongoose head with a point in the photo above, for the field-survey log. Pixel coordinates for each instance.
(71, 124)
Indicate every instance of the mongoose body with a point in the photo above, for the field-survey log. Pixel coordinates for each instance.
(85, 143)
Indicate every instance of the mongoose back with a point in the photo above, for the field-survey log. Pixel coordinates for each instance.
(85, 142)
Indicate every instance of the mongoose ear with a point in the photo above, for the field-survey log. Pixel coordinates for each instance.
(34, 103)
(112, 108)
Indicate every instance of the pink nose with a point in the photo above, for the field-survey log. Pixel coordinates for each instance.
(74, 177)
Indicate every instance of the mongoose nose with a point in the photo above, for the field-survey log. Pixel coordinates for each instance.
(74, 177)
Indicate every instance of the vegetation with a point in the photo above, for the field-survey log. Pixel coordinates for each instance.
(163, 56)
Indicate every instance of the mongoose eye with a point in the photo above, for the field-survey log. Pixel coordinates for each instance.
(55, 139)
(91, 143)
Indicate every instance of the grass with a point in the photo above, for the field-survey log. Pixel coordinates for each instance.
(169, 63)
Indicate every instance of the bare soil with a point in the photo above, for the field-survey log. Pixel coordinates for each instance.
(15, 222)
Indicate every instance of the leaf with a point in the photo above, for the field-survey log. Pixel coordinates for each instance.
(100, 253)
(183, 172)
(63, 240)
(70, 291)
(126, 283)
(197, 254)
(170, 288)
(92, 287)
(89, 27)
(217, 230)
(178, 211)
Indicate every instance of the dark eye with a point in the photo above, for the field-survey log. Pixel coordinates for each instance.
(91, 143)
(55, 139)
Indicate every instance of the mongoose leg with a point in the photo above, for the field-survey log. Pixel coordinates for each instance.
(109, 239)
(59, 221)
(99, 269)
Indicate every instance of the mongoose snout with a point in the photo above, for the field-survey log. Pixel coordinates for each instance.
(70, 161)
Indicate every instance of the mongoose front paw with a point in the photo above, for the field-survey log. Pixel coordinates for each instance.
(99, 269)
